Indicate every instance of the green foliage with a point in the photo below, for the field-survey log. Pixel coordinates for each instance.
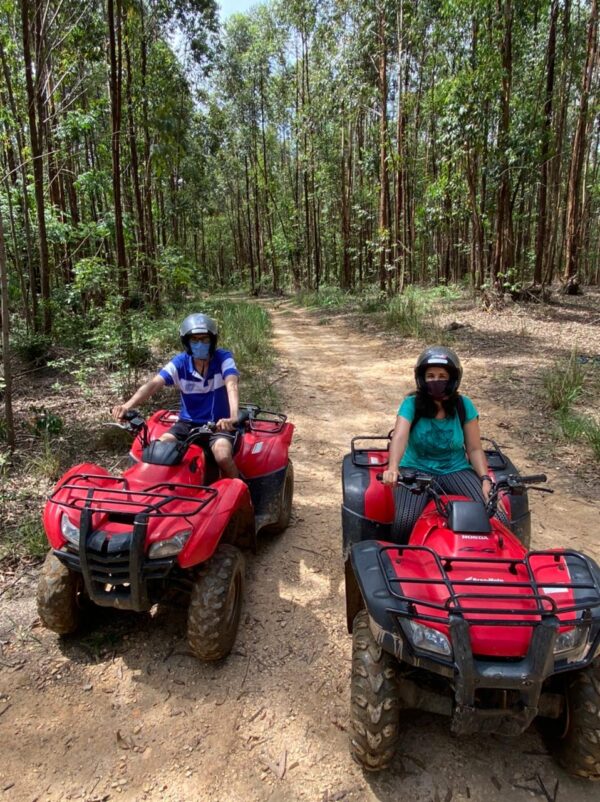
(326, 297)
(93, 276)
(44, 422)
(25, 539)
(32, 347)
(409, 314)
(177, 273)
(577, 428)
(563, 383)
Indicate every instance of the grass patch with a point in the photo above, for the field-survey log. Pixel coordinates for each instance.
(410, 314)
(563, 383)
(325, 298)
(26, 539)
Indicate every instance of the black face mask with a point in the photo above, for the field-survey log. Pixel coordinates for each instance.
(437, 389)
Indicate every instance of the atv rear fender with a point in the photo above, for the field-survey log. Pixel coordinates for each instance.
(229, 518)
(368, 505)
(262, 452)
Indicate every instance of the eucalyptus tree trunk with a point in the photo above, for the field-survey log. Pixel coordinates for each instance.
(383, 171)
(504, 247)
(116, 83)
(35, 130)
(135, 175)
(573, 221)
(541, 243)
(400, 193)
(346, 198)
(556, 211)
(6, 357)
(31, 314)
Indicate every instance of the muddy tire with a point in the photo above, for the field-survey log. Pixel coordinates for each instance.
(216, 604)
(285, 509)
(59, 599)
(577, 747)
(374, 699)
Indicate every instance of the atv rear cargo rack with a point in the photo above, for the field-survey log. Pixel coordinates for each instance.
(543, 605)
(260, 420)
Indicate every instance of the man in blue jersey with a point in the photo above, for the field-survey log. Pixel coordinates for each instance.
(207, 379)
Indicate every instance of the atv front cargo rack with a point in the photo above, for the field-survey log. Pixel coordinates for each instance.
(147, 502)
(542, 604)
(116, 571)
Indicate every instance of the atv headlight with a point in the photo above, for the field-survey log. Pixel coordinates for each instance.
(169, 547)
(69, 530)
(429, 640)
(570, 641)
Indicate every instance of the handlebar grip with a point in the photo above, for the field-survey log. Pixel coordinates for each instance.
(131, 414)
(534, 478)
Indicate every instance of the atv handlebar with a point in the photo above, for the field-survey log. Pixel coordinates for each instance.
(533, 479)
(514, 483)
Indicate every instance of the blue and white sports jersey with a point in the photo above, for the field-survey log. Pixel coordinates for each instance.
(202, 399)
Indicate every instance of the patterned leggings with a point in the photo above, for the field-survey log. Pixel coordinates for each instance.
(409, 505)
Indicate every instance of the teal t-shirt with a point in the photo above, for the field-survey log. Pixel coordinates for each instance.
(436, 445)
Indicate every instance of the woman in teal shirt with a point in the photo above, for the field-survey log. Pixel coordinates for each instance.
(430, 436)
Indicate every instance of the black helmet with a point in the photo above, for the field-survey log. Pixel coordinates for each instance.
(442, 357)
(198, 324)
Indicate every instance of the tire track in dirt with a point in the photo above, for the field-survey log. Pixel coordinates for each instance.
(126, 713)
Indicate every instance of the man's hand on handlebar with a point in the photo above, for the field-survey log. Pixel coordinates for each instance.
(226, 424)
(119, 412)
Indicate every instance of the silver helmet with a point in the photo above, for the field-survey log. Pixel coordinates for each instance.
(199, 324)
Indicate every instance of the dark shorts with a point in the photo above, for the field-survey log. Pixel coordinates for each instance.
(182, 428)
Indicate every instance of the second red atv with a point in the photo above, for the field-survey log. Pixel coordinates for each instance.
(462, 619)
(168, 523)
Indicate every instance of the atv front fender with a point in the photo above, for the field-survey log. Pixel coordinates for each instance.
(53, 511)
(229, 517)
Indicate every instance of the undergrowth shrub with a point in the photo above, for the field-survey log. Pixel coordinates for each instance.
(31, 346)
(409, 314)
(325, 297)
(563, 383)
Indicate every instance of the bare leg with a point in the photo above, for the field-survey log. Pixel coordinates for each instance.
(167, 437)
(223, 452)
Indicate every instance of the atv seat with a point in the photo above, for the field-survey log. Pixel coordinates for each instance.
(166, 452)
(468, 516)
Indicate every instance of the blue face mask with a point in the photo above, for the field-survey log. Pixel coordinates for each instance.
(200, 350)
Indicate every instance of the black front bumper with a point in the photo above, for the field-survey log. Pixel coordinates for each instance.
(115, 570)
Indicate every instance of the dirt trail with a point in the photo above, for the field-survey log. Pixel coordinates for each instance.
(124, 712)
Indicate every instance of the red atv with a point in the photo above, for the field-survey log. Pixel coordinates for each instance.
(464, 620)
(169, 523)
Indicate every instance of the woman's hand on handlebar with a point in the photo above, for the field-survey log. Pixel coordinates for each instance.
(390, 477)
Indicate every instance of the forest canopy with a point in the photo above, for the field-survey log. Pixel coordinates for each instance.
(147, 149)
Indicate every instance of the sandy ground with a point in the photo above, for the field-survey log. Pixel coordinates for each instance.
(124, 712)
